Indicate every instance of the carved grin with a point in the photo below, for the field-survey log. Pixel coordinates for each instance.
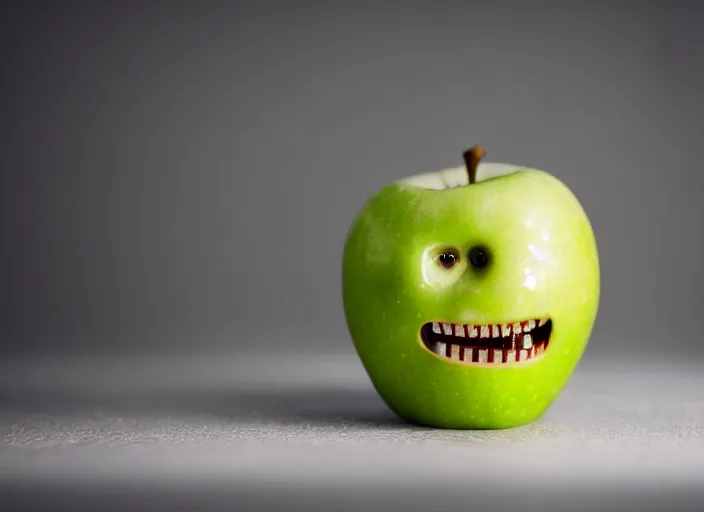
(488, 344)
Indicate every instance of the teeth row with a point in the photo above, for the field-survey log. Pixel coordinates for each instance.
(487, 355)
(487, 331)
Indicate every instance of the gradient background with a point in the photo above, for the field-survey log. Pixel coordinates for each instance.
(179, 178)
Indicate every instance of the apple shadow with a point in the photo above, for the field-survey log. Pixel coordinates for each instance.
(312, 406)
(284, 406)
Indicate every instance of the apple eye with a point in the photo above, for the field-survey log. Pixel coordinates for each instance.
(443, 265)
(478, 257)
(448, 259)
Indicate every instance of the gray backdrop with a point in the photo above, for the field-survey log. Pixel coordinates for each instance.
(184, 175)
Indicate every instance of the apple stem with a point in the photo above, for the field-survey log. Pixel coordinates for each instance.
(471, 159)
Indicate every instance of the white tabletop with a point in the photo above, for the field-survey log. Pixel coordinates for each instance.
(308, 431)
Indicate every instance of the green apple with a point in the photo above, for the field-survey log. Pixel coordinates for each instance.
(470, 293)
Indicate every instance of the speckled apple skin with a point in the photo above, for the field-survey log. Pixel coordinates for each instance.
(544, 263)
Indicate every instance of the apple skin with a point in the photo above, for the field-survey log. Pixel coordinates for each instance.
(544, 262)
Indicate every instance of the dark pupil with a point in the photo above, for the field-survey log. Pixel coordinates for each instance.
(478, 257)
(447, 259)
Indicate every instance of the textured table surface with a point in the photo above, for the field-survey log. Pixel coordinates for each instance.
(308, 431)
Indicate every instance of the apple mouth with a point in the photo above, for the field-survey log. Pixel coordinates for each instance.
(490, 344)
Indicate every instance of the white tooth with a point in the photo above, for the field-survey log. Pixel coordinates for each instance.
(483, 355)
(517, 328)
(468, 355)
(533, 351)
(498, 356)
(531, 324)
(525, 354)
(472, 331)
(484, 331)
(527, 341)
(436, 328)
(447, 329)
(495, 330)
(542, 322)
(455, 352)
(505, 330)
(459, 330)
(511, 356)
(440, 348)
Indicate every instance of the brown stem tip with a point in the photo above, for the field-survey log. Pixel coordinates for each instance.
(471, 159)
